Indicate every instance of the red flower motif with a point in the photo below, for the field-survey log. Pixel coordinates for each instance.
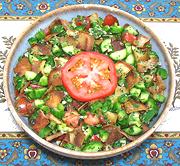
(43, 7)
(138, 8)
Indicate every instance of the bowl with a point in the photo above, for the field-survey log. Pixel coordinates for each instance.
(67, 13)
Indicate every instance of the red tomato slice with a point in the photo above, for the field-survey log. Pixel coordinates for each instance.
(110, 20)
(129, 38)
(89, 76)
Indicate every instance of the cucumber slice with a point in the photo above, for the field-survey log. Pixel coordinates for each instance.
(43, 81)
(128, 49)
(140, 85)
(32, 58)
(39, 103)
(135, 92)
(47, 69)
(144, 96)
(69, 49)
(106, 45)
(131, 30)
(56, 49)
(130, 59)
(30, 75)
(118, 55)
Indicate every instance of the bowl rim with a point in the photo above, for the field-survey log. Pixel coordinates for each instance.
(101, 154)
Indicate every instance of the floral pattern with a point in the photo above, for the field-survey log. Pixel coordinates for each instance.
(20, 6)
(32, 153)
(154, 152)
(139, 8)
(16, 144)
(43, 7)
(3, 153)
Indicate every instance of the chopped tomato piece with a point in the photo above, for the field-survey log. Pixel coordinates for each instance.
(110, 20)
(91, 119)
(95, 138)
(127, 37)
(89, 76)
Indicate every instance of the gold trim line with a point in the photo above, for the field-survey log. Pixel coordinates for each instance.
(28, 18)
(156, 135)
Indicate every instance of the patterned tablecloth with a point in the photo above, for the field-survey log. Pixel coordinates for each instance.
(162, 148)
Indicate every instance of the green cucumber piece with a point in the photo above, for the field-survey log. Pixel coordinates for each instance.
(32, 58)
(32, 41)
(103, 134)
(39, 103)
(47, 69)
(140, 85)
(159, 98)
(93, 146)
(69, 50)
(56, 49)
(35, 93)
(43, 81)
(118, 55)
(163, 73)
(144, 96)
(133, 130)
(40, 35)
(87, 131)
(30, 75)
(44, 132)
(135, 92)
(149, 115)
(128, 49)
(131, 30)
(106, 45)
(57, 113)
(130, 59)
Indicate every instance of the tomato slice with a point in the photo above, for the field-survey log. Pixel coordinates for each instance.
(110, 20)
(129, 38)
(88, 76)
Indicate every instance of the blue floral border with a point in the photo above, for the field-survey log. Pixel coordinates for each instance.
(17, 149)
(139, 8)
